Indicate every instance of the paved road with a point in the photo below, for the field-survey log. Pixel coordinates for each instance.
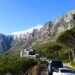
(67, 65)
(43, 71)
(40, 71)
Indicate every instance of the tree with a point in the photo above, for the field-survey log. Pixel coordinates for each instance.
(68, 38)
(53, 51)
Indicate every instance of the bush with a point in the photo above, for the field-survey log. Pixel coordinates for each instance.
(15, 65)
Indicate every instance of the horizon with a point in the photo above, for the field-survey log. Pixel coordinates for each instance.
(17, 15)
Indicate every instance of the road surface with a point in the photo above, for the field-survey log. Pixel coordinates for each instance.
(43, 71)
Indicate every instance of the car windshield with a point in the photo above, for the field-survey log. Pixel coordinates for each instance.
(66, 71)
(57, 64)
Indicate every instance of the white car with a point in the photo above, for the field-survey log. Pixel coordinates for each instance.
(64, 71)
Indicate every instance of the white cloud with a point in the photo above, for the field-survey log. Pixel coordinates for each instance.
(28, 30)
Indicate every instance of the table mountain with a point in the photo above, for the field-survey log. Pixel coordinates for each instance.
(42, 34)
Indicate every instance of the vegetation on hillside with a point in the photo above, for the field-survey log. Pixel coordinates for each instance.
(53, 50)
(14, 65)
(68, 38)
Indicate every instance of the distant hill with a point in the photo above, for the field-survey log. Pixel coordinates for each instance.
(5, 43)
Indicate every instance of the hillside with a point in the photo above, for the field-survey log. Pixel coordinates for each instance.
(5, 43)
(54, 50)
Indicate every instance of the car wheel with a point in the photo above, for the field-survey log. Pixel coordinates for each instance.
(50, 74)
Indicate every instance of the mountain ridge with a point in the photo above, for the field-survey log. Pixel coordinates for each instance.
(42, 33)
(30, 30)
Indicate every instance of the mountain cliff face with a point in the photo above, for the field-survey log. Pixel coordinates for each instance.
(53, 27)
(5, 43)
(49, 30)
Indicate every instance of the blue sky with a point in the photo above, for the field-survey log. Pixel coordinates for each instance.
(18, 15)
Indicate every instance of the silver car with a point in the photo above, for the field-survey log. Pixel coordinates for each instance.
(64, 71)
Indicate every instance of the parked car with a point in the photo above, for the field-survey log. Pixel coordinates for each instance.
(54, 65)
(64, 71)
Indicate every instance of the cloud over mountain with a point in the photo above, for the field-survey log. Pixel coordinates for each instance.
(30, 30)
